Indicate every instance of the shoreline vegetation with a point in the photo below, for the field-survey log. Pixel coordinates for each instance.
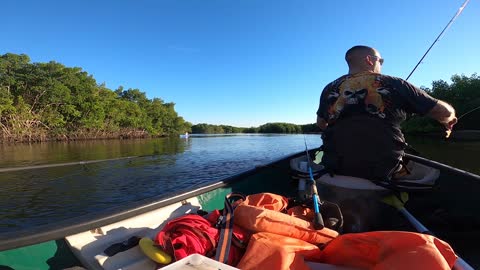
(49, 101)
(52, 102)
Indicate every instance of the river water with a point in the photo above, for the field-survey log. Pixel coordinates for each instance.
(40, 196)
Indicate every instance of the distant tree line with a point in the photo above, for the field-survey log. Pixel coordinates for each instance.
(464, 95)
(44, 101)
(204, 128)
(266, 128)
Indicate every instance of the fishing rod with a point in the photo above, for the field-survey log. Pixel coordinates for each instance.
(455, 16)
(318, 220)
(459, 11)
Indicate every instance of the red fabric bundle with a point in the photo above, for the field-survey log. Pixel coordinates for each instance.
(192, 233)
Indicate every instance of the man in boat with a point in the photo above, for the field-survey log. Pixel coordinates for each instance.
(360, 114)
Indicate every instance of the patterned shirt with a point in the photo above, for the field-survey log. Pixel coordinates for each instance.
(381, 96)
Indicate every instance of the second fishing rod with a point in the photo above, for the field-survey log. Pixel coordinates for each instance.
(318, 219)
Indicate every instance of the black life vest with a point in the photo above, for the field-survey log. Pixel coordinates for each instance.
(362, 145)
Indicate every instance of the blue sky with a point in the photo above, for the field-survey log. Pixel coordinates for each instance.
(240, 63)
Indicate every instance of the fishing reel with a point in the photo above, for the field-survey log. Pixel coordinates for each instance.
(331, 212)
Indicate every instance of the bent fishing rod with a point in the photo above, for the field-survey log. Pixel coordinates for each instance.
(459, 11)
(455, 16)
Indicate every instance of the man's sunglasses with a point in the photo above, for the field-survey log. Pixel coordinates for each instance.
(378, 58)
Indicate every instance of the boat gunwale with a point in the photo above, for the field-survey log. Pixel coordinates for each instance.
(441, 166)
(44, 233)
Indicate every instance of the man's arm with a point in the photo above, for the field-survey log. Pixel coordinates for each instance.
(321, 123)
(322, 108)
(443, 113)
(420, 102)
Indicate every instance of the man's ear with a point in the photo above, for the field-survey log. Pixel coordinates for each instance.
(369, 61)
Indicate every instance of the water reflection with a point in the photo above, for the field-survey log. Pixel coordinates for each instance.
(35, 197)
(60, 152)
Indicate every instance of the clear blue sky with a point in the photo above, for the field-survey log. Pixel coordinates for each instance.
(240, 63)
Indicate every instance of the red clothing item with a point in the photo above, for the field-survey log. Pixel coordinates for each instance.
(192, 234)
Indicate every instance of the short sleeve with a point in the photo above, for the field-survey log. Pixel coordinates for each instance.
(322, 111)
(416, 100)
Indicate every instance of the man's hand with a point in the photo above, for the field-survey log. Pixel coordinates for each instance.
(445, 114)
(321, 123)
(449, 126)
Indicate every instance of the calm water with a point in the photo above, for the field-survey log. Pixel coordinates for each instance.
(33, 197)
(41, 196)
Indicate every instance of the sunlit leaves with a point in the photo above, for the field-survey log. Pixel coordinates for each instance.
(41, 101)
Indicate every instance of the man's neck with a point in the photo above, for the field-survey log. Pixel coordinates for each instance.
(352, 71)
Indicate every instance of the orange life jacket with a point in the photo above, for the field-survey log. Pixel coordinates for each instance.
(273, 251)
(264, 217)
(372, 250)
(267, 201)
(283, 242)
(384, 250)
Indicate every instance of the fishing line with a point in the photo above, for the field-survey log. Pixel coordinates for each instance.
(459, 11)
(468, 113)
(44, 166)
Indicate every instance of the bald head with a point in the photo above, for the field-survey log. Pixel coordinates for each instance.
(363, 58)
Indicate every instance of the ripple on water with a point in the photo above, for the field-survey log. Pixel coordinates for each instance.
(43, 196)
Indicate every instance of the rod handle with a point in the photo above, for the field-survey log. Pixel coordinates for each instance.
(318, 222)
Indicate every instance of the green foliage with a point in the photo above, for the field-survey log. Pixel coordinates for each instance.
(251, 130)
(207, 129)
(310, 128)
(420, 125)
(40, 101)
(280, 128)
(204, 128)
(230, 129)
(463, 94)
